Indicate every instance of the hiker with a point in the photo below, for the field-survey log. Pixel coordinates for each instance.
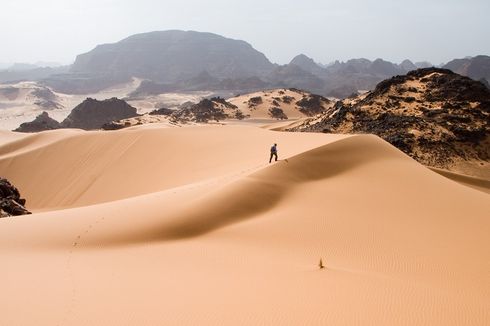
(273, 152)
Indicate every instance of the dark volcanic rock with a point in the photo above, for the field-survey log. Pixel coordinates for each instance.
(224, 102)
(434, 115)
(278, 113)
(11, 203)
(312, 104)
(162, 111)
(93, 114)
(204, 111)
(40, 123)
(254, 101)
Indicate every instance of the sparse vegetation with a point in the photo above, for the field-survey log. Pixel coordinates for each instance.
(320, 264)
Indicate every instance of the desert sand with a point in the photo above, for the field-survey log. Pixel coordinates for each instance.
(192, 226)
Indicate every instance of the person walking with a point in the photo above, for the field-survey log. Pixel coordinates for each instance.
(273, 152)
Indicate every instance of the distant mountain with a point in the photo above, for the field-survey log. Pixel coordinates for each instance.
(291, 75)
(477, 67)
(22, 66)
(34, 74)
(173, 56)
(307, 64)
(407, 65)
(342, 79)
(436, 116)
(423, 64)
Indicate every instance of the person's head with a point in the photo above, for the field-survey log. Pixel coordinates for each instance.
(275, 144)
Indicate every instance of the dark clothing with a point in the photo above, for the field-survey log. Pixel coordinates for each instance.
(273, 153)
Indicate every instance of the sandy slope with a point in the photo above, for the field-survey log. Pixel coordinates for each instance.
(192, 226)
(269, 99)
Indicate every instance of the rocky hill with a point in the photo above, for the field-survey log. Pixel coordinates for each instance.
(40, 123)
(436, 116)
(92, 114)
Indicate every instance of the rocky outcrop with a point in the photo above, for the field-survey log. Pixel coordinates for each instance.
(11, 203)
(41, 123)
(204, 111)
(312, 104)
(162, 111)
(277, 113)
(93, 114)
(434, 115)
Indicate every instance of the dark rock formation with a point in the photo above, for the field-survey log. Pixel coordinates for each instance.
(224, 102)
(93, 114)
(254, 101)
(277, 113)
(162, 111)
(40, 123)
(445, 119)
(204, 111)
(312, 104)
(115, 125)
(11, 204)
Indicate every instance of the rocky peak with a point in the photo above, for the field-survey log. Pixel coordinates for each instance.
(93, 114)
(40, 123)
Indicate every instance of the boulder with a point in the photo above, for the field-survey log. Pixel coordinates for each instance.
(11, 204)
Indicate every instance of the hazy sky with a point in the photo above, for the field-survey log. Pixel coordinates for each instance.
(434, 30)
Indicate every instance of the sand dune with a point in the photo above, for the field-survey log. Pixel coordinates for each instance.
(193, 226)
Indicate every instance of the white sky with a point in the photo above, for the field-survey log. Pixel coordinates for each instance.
(434, 30)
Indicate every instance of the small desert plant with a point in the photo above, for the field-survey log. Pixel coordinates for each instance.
(320, 264)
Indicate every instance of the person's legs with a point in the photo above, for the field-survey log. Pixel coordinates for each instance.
(275, 154)
(270, 159)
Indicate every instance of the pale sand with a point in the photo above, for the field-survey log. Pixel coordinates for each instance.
(192, 226)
